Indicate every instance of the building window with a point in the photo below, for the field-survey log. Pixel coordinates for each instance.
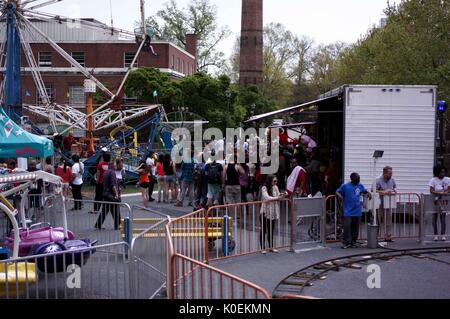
(79, 57)
(184, 69)
(128, 59)
(51, 93)
(173, 62)
(178, 65)
(45, 59)
(76, 97)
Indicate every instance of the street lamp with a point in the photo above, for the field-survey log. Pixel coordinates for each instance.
(372, 229)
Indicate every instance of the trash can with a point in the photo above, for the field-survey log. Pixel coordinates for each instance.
(372, 236)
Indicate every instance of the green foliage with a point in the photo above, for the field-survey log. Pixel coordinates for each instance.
(199, 18)
(213, 98)
(413, 48)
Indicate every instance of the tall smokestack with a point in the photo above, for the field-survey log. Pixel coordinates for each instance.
(251, 60)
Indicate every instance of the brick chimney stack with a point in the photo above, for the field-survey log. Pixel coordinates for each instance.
(191, 45)
(251, 59)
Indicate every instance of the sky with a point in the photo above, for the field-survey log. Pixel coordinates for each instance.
(325, 21)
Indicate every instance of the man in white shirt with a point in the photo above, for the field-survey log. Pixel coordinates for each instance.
(152, 175)
(77, 182)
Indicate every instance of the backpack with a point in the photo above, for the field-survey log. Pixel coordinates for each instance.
(213, 174)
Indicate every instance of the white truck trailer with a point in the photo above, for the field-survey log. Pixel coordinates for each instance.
(355, 120)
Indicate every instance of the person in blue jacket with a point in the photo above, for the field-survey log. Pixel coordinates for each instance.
(350, 195)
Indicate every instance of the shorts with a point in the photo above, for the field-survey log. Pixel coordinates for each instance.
(214, 192)
(170, 180)
(144, 185)
(233, 194)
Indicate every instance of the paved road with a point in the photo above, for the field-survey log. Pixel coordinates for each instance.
(403, 277)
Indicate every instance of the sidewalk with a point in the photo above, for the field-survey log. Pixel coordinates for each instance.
(404, 277)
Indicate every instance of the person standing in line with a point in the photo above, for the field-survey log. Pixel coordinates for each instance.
(187, 182)
(297, 180)
(120, 174)
(144, 180)
(77, 182)
(213, 177)
(231, 174)
(152, 175)
(102, 167)
(161, 178)
(270, 212)
(170, 173)
(387, 188)
(65, 173)
(350, 195)
(439, 188)
(111, 195)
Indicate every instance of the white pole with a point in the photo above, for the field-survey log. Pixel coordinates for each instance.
(374, 192)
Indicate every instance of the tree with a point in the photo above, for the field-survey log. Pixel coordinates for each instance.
(199, 18)
(301, 68)
(413, 48)
(278, 52)
(143, 82)
(323, 77)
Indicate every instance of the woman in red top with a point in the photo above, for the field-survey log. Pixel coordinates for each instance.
(161, 178)
(144, 180)
(65, 172)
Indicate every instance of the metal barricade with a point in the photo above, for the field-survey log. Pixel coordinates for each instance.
(309, 218)
(189, 235)
(148, 254)
(195, 280)
(247, 230)
(435, 219)
(99, 272)
(334, 228)
(398, 216)
(83, 223)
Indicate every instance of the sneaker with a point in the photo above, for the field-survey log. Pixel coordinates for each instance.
(151, 200)
(346, 246)
(264, 252)
(178, 205)
(444, 238)
(436, 238)
(274, 250)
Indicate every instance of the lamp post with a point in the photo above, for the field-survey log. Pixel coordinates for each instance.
(372, 230)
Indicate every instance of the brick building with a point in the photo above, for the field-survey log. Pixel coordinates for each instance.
(106, 54)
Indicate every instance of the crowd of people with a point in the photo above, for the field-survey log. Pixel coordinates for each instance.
(302, 172)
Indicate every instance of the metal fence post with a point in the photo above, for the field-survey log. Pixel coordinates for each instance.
(290, 204)
(132, 270)
(323, 221)
(128, 236)
(225, 235)
(206, 237)
(422, 220)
